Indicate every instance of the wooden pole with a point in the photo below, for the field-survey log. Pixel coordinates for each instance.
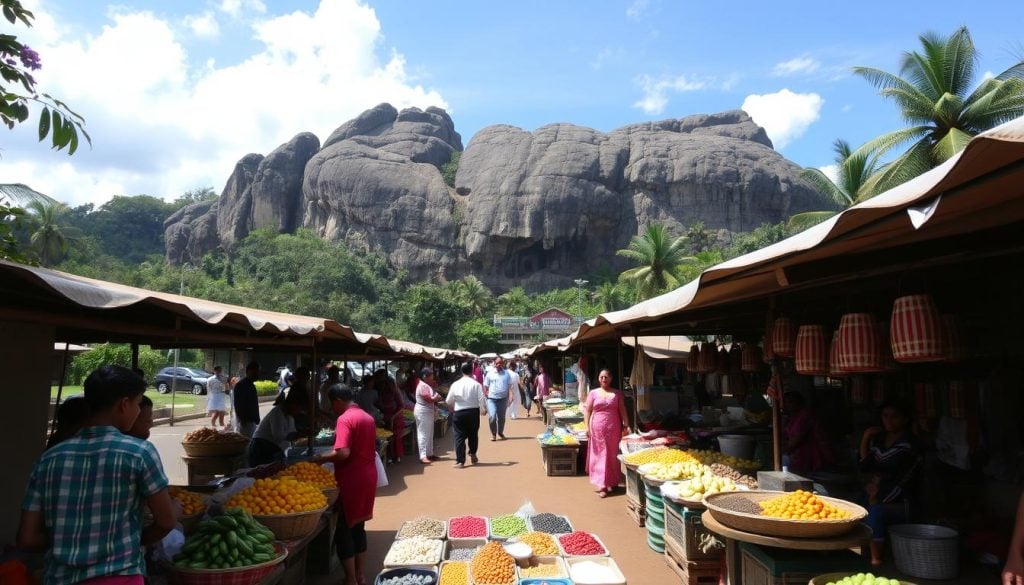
(314, 393)
(777, 415)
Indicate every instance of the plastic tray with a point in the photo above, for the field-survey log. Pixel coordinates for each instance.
(530, 528)
(440, 570)
(493, 536)
(485, 535)
(545, 581)
(459, 543)
(535, 561)
(444, 529)
(596, 537)
(616, 579)
(388, 573)
(426, 564)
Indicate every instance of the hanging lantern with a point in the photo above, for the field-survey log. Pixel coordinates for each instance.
(750, 359)
(784, 337)
(834, 369)
(708, 361)
(811, 351)
(952, 340)
(859, 349)
(916, 329)
(693, 360)
(723, 361)
(858, 390)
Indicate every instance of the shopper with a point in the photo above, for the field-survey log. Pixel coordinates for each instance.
(466, 402)
(355, 469)
(72, 415)
(542, 386)
(392, 405)
(144, 422)
(217, 398)
(604, 416)
(247, 401)
(806, 443)
(497, 385)
(425, 412)
(83, 505)
(275, 432)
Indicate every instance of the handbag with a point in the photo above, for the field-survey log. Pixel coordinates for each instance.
(382, 476)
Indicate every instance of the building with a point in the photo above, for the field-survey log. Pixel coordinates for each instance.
(550, 323)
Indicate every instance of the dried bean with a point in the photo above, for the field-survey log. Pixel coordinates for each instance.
(425, 527)
(467, 527)
(738, 503)
(462, 554)
(723, 470)
(493, 566)
(408, 580)
(541, 543)
(550, 523)
(454, 574)
(508, 526)
(414, 551)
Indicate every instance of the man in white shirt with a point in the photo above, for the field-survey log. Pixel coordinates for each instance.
(514, 392)
(466, 401)
(497, 385)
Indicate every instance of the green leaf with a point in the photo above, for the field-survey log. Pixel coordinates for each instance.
(44, 124)
(73, 144)
(9, 15)
(55, 120)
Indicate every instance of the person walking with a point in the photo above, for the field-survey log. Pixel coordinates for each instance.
(604, 416)
(497, 385)
(247, 402)
(355, 471)
(542, 386)
(466, 401)
(515, 391)
(217, 397)
(425, 411)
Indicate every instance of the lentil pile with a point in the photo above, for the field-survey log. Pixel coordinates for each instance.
(454, 573)
(414, 551)
(541, 543)
(408, 580)
(543, 570)
(467, 527)
(738, 503)
(493, 566)
(425, 527)
(508, 526)
(550, 523)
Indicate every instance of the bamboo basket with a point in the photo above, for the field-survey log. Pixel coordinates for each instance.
(830, 577)
(767, 526)
(214, 448)
(291, 526)
(331, 494)
(251, 575)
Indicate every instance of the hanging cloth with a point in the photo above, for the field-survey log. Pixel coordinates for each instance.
(641, 378)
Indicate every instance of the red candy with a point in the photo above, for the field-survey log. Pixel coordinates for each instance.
(581, 544)
(467, 527)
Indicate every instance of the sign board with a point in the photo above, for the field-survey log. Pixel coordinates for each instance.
(551, 319)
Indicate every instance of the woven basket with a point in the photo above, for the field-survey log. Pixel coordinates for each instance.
(831, 577)
(291, 526)
(767, 526)
(214, 448)
(925, 551)
(331, 494)
(251, 575)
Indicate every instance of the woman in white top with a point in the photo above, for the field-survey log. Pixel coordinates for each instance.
(424, 412)
(466, 402)
(216, 397)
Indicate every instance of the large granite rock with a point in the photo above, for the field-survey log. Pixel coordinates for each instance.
(531, 208)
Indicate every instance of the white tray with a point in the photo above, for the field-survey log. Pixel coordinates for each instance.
(444, 529)
(430, 563)
(530, 528)
(617, 578)
(545, 560)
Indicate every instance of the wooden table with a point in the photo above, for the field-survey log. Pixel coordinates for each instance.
(857, 538)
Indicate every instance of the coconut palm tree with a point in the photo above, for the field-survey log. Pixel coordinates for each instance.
(608, 296)
(49, 239)
(855, 183)
(934, 94)
(473, 294)
(660, 259)
(515, 302)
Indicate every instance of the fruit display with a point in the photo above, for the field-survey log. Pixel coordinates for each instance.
(570, 412)
(425, 527)
(864, 579)
(508, 526)
(697, 487)
(550, 523)
(722, 470)
(467, 527)
(659, 455)
(558, 439)
(231, 540)
(191, 503)
(310, 473)
(710, 457)
(454, 573)
(493, 566)
(672, 471)
(801, 505)
(542, 544)
(414, 551)
(285, 495)
(208, 435)
(581, 544)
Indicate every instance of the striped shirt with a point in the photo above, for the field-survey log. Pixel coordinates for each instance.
(90, 490)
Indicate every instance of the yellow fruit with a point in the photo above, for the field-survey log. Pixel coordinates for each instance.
(285, 495)
(801, 505)
(191, 503)
(309, 473)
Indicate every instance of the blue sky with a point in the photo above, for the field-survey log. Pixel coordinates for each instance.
(174, 93)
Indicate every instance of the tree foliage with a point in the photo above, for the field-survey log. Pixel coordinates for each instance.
(660, 259)
(118, 354)
(451, 168)
(478, 335)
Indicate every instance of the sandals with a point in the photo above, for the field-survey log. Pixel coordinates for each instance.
(425, 461)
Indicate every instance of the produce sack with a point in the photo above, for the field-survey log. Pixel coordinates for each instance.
(382, 476)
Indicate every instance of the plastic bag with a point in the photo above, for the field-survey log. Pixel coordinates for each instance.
(526, 510)
(382, 476)
(169, 546)
(223, 495)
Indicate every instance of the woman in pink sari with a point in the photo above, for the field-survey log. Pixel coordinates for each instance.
(604, 415)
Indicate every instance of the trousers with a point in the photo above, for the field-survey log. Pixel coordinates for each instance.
(496, 408)
(467, 430)
(424, 429)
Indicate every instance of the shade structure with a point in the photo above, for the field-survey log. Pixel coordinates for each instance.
(835, 369)
(750, 361)
(784, 337)
(811, 355)
(708, 361)
(916, 329)
(952, 338)
(693, 360)
(859, 343)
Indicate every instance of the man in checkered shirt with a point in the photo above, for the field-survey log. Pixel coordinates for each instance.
(83, 505)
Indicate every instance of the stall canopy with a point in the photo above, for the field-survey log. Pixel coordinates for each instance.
(970, 206)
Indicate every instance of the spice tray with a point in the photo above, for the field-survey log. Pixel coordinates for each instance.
(462, 543)
(615, 576)
(596, 537)
(445, 564)
(545, 581)
(531, 528)
(537, 561)
(485, 535)
(425, 563)
(444, 530)
(498, 537)
(403, 572)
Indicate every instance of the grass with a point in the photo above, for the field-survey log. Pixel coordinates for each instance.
(183, 400)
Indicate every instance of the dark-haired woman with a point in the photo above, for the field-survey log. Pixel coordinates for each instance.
(604, 415)
(425, 411)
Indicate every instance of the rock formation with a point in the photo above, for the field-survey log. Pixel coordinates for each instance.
(529, 208)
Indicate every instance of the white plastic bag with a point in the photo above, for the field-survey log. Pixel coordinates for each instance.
(526, 510)
(170, 545)
(222, 495)
(382, 476)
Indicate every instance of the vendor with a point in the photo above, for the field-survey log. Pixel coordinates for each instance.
(806, 443)
(276, 431)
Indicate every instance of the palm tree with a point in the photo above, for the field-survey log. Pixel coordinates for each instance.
(933, 93)
(660, 261)
(608, 296)
(856, 182)
(473, 294)
(49, 238)
(515, 302)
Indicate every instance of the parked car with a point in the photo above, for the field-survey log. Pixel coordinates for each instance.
(181, 379)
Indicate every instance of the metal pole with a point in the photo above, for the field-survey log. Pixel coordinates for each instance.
(177, 326)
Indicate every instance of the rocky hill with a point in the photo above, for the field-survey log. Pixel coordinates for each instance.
(528, 208)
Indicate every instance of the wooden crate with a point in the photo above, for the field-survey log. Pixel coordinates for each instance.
(635, 487)
(762, 565)
(637, 513)
(685, 530)
(692, 572)
(560, 459)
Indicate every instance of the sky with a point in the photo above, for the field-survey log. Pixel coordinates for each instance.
(174, 93)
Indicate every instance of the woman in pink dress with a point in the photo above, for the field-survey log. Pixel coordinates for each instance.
(355, 470)
(604, 415)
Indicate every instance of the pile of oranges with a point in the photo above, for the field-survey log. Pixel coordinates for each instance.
(285, 495)
(454, 573)
(493, 566)
(191, 503)
(801, 505)
(310, 473)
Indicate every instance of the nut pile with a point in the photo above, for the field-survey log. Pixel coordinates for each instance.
(408, 580)
(542, 544)
(542, 570)
(581, 544)
(493, 566)
(467, 527)
(414, 551)
(425, 527)
(738, 503)
(208, 435)
(550, 523)
(723, 470)
(508, 526)
(456, 573)
(310, 473)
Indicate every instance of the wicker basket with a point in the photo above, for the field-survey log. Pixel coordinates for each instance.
(214, 448)
(767, 526)
(331, 494)
(251, 575)
(925, 551)
(830, 577)
(291, 526)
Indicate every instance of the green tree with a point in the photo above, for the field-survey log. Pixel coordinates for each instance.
(934, 95)
(11, 221)
(118, 354)
(129, 228)
(473, 295)
(451, 168)
(699, 237)
(660, 259)
(49, 238)
(857, 170)
(191, 196)
(515, 302)
(432, 316)
(478, 335)
(609, 296)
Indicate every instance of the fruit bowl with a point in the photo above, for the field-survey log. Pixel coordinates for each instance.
(251, 575)
(726, 512)
(834, 577)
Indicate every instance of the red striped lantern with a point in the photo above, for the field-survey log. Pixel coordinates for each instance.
(708, 361)
(784, 337)
(859, 346)
(951, 338)
(916, 329)
(834, 369)
(750, 360)
(693, 360)
(723, 361)
(811, 351)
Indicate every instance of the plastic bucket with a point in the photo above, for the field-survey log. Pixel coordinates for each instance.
(925, 551)
(741, 446)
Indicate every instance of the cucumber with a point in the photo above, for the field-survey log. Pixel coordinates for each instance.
(214, 539)
(232, 539)
(227, 522)
(244, 546)
(261, 558)
(198, 565)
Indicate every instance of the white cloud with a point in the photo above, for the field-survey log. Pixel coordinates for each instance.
(796, 66)
(831, 171)
(988, 75)
(847, 108)
(164, 121)
(236, 7)
(637, 8)
(656, 91)
(784, 115)
(203, 25)
(607, 56)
